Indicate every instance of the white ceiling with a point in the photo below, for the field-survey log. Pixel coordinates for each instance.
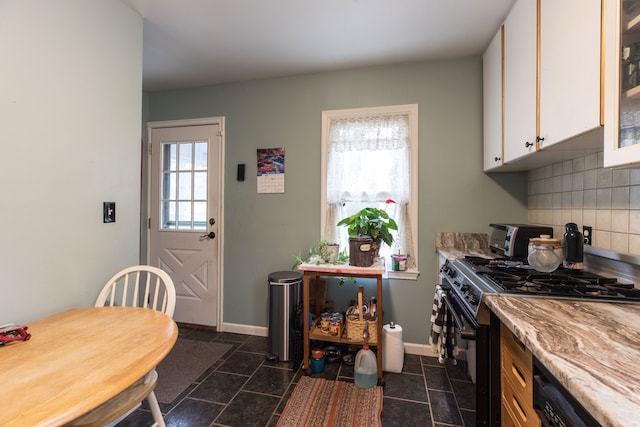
(190, 43)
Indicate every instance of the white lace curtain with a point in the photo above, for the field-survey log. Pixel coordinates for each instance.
(367, 164)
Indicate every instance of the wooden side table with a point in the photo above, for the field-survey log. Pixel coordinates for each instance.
(344, 270)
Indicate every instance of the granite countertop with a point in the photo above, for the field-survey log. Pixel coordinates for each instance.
(457, 245)
(592, 348)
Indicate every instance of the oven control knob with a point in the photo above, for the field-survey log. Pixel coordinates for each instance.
(474, 300)
(464, 288)
(451, 273)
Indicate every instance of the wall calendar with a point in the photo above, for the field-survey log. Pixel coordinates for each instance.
(270, 170)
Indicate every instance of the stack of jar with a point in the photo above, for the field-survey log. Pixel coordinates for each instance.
(331, 323)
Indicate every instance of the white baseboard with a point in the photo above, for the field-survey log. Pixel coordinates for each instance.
(419, 349)
(261, 331)
(237, 328)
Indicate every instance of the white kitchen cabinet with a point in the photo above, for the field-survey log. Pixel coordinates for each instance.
(622, 83)
(570, 69)
(492, 102)
(520, 87)
(553, 89)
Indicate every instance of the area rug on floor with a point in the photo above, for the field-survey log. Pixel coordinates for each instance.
(316, 402)
(187, 360)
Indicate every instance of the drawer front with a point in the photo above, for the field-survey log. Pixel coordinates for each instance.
(519, 374)
(521, 413)
(508, 419)
(515, 347)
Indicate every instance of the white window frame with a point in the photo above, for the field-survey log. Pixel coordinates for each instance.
(411, 110)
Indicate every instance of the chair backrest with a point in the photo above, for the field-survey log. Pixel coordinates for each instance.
(140, 286)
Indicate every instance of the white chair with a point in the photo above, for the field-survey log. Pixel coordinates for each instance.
(137, 286)
(140, 286)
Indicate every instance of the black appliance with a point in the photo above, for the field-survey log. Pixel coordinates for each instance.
(554, 404)
(462, 295)
(512, 240)
(500, 275)
(467, 280)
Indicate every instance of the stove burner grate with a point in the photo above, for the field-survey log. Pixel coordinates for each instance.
(519, 278)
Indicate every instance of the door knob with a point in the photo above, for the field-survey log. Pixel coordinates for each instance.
(210, 235)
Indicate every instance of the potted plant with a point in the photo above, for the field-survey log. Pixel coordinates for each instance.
(372, 222)
(323, 252)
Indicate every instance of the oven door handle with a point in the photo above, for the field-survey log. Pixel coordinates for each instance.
(464, 332)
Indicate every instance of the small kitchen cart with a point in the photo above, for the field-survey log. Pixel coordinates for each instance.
(323, 270)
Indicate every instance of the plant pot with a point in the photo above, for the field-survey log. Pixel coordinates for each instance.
(333, 251)
(360, 251)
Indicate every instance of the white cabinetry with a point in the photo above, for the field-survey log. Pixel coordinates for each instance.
(622, 103)
(570, 69)
(520, 87)
(492, 102)
(553, 88)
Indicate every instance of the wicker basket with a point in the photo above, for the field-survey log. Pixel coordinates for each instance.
(356, 322)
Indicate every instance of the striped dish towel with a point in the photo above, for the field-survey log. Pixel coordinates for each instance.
(443, 331)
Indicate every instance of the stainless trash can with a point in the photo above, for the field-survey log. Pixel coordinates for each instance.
(284, 298)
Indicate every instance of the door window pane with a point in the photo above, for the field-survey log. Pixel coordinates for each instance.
(186, 150)
(184, 215)
(184, 186)
(169, 157)
(199, 215)
(168, 215)
(200, 185)
(184, 180)
(169, 185)
(201, 155)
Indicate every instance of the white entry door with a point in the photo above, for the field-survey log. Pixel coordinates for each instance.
(185, 215)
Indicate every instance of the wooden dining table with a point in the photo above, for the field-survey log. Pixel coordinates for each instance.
(78, 359)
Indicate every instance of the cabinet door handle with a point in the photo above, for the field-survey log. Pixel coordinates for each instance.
(496, 159)
(528, 144)
(538, 139)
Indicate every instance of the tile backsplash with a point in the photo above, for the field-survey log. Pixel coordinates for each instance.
(583, 191)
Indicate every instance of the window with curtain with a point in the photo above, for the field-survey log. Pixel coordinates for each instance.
(369, 158)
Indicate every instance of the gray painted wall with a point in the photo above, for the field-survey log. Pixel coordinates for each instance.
(70, 102)
(264, 231)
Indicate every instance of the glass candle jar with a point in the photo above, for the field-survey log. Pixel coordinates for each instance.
(545, 253)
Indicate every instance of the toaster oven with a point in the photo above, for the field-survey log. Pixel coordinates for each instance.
(512, 240)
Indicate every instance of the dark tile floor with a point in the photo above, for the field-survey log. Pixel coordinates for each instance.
(244, 389)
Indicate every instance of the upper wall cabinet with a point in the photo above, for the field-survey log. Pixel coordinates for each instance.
(520, 85)
(492, 103)
(570, 69)
(553, 90)
(622, 103)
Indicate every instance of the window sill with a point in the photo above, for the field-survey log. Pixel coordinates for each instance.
(403, 275)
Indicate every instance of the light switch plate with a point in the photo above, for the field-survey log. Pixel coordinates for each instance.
(109, 212)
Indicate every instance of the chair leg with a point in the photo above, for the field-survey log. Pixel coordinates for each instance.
(155, 409)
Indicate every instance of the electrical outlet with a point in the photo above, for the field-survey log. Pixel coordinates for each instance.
(587, 234)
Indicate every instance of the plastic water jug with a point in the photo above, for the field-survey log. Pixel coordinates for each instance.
(366, 368)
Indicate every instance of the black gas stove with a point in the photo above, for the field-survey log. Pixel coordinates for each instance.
(465, 282)
(518, 277)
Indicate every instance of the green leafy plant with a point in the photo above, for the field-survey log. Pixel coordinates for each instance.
(321, 254)
(372, 222)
